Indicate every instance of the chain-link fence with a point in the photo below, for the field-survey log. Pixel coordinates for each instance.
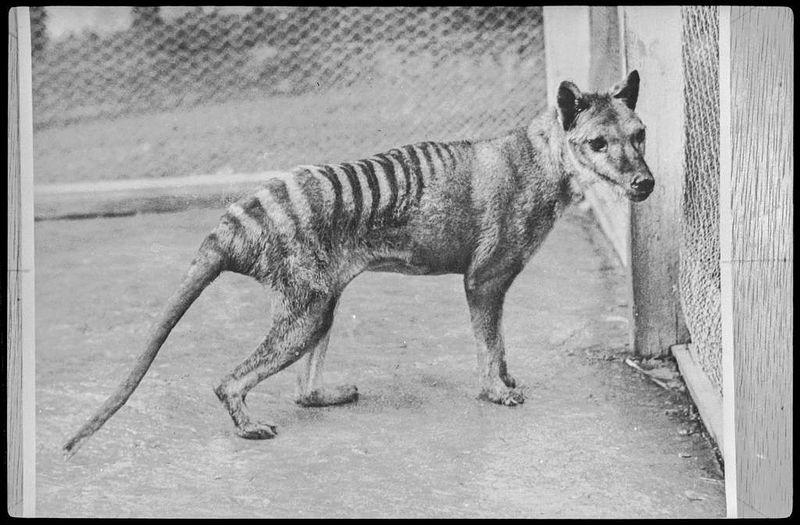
(178, 91)
(699, 268)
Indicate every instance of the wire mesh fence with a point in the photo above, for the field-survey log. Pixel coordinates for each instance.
(178, 91)
(699, 266)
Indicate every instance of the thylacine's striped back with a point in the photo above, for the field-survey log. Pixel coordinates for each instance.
(320, 203)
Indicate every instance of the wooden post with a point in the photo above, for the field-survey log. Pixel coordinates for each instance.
(566, 47)
(652, 45)
(756, 245)
(20, 356)
(606, 68)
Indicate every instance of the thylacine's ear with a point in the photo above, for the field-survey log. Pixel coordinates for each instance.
(570, 102)
(628, 91)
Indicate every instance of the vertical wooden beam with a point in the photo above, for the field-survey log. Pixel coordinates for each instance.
(606, 68)
(652, 45)
(20, 356)
(726, 251)
(582, 45)
(566, 47)
(13, 324)
(757, 259)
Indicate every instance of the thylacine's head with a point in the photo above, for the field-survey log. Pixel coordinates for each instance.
(604, 139)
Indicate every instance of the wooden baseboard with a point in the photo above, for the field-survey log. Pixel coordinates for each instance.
(128, 197)
(707, 399)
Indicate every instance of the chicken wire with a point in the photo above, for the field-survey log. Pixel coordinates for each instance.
(699, 257)
(180, 91)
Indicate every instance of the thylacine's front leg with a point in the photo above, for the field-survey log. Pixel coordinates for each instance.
(485, 299)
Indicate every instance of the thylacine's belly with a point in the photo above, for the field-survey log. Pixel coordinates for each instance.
(399, 266)
(418, 250)
(414, 264)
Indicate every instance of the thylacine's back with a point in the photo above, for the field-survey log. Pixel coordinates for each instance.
(480, 209)
(298, 221)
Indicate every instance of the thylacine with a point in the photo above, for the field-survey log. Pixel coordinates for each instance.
(480, 209)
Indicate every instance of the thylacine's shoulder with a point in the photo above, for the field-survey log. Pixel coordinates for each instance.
(510, 151)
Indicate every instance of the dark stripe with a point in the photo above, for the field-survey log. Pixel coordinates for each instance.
(426, 148)
(312, 189)
(253, 208)
(212, 242)
(277, 240)
(453, 151)
(358, 198)
(388, 169)
(236, 225)
(437, 148)
(372, 182)
(310, 186)
(281, 196)
(416, 169)
(329, 174)
(400, 157)
(449, 153)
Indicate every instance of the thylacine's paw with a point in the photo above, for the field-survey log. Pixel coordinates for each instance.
(323, 397)
(257, 430)
(503, 395)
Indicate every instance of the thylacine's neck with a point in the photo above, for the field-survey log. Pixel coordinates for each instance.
(547, 136)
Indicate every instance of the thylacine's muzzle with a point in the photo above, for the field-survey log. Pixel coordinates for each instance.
(605, 138)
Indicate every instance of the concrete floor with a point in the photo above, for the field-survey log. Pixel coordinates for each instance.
(594, 438)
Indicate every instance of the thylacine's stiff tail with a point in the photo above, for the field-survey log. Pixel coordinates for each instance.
(204, 269)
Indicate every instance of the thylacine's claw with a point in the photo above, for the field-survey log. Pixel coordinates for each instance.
(257, 430)
(503, 396)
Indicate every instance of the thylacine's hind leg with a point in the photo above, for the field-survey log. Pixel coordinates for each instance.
(295, 330)
(310, 390)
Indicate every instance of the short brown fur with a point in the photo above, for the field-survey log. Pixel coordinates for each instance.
(480, 209)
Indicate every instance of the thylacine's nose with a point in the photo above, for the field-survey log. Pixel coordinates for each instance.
(643, 183)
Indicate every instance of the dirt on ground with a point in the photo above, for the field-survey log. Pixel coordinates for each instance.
(595, 437)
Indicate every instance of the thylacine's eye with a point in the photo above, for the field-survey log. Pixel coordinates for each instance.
(638, 137)
(598, 144)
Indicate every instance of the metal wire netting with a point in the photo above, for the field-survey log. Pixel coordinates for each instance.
(699, 261)
(181, 91)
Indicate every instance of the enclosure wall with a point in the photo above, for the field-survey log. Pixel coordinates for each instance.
(20, 335)
(758, 258)
(699, 241)
(652, 45)
(13, 319)
(177, 91)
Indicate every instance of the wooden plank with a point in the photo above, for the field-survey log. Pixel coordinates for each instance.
(759, 258)
(127, 197)
(705, 395)
(20, 350)
(726, 250)
(13, 319)
(566, 47)
(652, 46)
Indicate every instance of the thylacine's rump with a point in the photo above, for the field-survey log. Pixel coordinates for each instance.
(302, 234)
